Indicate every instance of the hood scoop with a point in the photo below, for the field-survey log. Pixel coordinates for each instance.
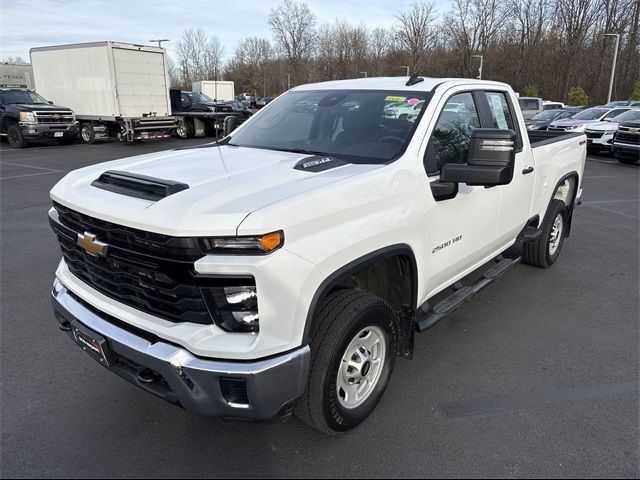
(138, 186)
(318, 163)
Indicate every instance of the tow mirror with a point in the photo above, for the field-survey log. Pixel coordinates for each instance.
(229, 125)
(491, 158)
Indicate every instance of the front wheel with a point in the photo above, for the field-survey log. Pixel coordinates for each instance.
(87, 134)
(544, 251)
(15, 137)
(353, 351)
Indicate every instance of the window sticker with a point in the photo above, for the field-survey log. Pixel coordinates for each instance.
(498, 111)
(413, 101)
(391, 98)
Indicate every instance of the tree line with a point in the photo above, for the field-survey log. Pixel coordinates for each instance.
(541, 47)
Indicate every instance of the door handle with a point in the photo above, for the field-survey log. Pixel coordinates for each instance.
(527, 170)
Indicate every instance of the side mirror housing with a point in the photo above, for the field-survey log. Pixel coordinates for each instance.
(491, 159)
(50, 102)
(229, 125)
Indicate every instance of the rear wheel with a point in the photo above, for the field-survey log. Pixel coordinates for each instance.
(186, 130)
(87, 134)
(353, 351)
(544, 251)
(14, 137)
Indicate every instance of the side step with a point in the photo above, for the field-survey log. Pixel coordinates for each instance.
(427, 316)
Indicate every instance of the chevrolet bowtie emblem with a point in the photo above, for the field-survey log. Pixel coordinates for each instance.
(91, 245)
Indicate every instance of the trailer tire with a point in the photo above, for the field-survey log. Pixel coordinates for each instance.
(87, 134)
(15, 137)
(351, 328)
(544, 251)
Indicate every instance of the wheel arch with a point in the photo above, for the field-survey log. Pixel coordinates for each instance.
(393, 262)
(568, 195)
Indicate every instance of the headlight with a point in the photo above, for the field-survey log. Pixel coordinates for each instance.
(259, 244)
(234, 309)
(27, 117)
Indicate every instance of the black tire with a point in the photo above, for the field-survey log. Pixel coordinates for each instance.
(342, 317)
(14, 136)
(187, 130)
(67, 141)
(538, 253)
(87, 135)
(628, 161)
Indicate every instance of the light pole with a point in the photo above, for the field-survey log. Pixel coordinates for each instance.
(404, 66)
(481, 57)
(160, 41)
(365, 74)
(288, 81)
(613, 65)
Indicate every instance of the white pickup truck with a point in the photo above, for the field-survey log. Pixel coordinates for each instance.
(284, 268)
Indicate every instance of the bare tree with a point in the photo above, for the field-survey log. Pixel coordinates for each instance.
(293, 27)
(199, 57)
(14, 60)
(380, 42)
(415, 31)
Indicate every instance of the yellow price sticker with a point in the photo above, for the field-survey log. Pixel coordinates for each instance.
(395, 99)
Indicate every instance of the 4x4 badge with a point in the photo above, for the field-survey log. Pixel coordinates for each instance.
(91, 245)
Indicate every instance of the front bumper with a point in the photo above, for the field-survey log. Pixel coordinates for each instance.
(626, 150)
(45, 130)
(271, 386)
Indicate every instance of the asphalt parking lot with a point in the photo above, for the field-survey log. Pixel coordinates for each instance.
(536, 377)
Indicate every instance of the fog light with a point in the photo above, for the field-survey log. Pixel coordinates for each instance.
(246, 295)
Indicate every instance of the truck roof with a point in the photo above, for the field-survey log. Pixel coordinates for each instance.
(394, 83)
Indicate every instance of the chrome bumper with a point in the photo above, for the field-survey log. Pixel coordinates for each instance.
(271, 386)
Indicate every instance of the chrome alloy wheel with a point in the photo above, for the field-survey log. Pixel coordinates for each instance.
(556, 235)
(361, 367)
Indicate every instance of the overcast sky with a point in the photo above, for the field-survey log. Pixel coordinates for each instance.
(36, 23)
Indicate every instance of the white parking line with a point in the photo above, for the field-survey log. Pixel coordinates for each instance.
(2, 162)
(609, 210)
(31, 174)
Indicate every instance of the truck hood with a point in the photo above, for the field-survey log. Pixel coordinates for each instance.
(603, 126)
(569, 122)
(226, 184)
(30, 107)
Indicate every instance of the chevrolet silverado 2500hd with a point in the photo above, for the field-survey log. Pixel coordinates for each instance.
(285, 267)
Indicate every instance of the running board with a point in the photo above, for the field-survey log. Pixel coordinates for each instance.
(427, 316)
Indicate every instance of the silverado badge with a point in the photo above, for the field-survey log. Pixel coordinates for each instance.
(91, 245)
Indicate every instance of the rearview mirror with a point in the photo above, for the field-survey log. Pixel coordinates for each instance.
(491, 158)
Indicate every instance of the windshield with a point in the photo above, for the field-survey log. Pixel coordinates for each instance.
(196, 97)
(10, 97)
(590, 114)
(365, 126)
(546, 115)
(630, 116)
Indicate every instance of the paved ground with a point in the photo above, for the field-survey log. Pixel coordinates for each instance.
(536, 377)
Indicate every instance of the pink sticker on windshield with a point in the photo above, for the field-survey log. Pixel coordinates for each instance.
(413, 101)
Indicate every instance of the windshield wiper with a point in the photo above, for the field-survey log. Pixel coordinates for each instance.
(307, 152)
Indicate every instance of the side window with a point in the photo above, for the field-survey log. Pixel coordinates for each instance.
(500, 111)
(184, 99)
(451, 136)
(614, 113)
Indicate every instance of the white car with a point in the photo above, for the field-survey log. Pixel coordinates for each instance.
(287, 266)
(600, 134)
(579, 122)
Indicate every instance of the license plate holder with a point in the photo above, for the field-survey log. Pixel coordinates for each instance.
(93, 343)
(58, 134)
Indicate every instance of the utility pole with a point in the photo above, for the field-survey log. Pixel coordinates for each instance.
(404, 66)
(160, 41)
(481, 57)
(613, 65)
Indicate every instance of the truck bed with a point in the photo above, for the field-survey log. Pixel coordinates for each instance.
(538, 138)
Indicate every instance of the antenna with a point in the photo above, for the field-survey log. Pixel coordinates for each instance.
(414, 79)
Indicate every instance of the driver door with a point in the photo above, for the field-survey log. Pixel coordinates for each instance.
(460, 231)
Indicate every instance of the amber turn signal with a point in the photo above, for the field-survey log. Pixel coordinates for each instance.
(271, 241)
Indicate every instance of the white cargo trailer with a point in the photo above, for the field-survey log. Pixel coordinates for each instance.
(16, 75)
(117, 89)
(220, 90)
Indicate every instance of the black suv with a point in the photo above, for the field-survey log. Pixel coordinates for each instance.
(25, 115)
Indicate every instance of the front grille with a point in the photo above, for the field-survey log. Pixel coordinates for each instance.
(594, 134)
(45, 116)
(625, 137)
(147, 271)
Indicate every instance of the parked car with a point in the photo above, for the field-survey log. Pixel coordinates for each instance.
(530, 106)
(263, 101)
(26, 115)
(542, 120)
(623, 103)
(600, 134)
(285, 268)
(626, 142)
(579, 121)
(547, 105)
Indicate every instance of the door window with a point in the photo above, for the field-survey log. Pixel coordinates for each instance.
(451, 136)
